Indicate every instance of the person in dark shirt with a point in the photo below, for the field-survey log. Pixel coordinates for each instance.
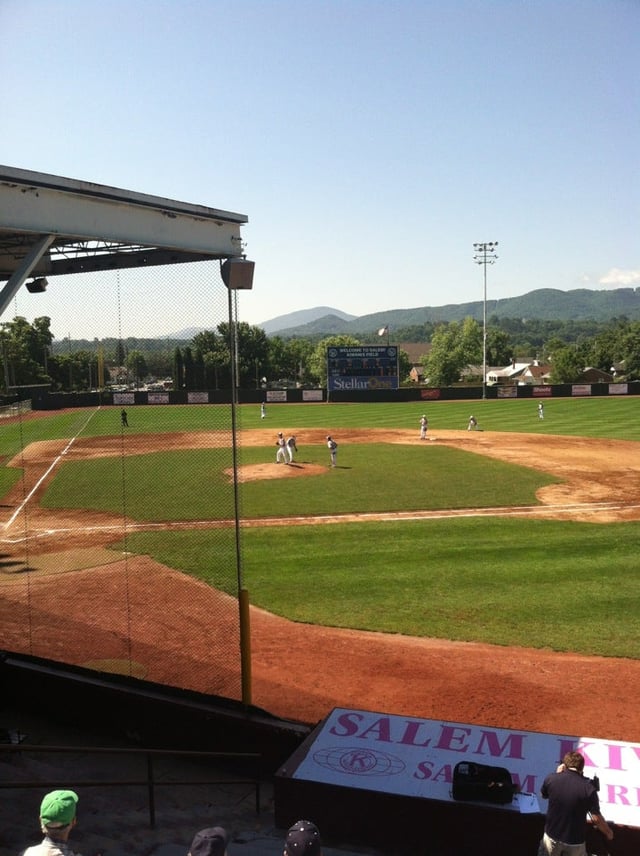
(571, 797)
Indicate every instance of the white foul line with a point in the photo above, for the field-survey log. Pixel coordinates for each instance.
(42, 478)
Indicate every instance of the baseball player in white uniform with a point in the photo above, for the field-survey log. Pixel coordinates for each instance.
(291, 447)
(281, 454)
(424, 423)
(333, 449)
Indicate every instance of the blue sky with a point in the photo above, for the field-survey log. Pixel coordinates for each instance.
(369, 143)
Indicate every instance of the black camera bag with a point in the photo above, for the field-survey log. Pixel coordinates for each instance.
(482, 783)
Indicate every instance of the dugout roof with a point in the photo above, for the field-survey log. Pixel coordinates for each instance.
(50, 225)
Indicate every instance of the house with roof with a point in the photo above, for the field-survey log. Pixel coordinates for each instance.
(594, 375)
(520, 373)
(416, 351)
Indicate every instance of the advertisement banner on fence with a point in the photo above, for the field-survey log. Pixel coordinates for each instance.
(312, 395)
(198, 397)
(124, 398)
(581, 389)
(415, 757)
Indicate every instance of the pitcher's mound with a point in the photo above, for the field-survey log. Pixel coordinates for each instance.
(253, 472)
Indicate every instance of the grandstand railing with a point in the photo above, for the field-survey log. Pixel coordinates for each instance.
(248, 760)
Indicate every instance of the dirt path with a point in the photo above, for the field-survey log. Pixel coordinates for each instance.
(300, 671)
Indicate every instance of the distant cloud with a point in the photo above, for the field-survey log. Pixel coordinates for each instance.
(619, 277)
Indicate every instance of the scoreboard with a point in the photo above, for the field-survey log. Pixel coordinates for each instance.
(362, 367)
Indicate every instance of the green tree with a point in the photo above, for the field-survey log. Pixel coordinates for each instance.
(567, 365)
(631, 351)
(137, 366)
(214, 348)
(288, 358)
(25, 350)
(178, 369)
(120, 353)
(199, 369)
(453, 346)
(470, 341)
(159, 363)
(404, 366)
(252, 349)
(189, 369)
(499, 347)
(249, 345)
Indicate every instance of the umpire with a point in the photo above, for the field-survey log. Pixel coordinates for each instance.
(571, 797)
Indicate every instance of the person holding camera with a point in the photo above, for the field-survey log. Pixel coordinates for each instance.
(571, 798)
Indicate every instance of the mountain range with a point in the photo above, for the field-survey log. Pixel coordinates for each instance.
(545, 304)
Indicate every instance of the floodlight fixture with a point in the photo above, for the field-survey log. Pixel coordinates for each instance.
(484, 254)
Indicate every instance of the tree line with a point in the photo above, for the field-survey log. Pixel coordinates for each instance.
(30, 355)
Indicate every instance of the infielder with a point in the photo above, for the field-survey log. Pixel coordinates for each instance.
(424, 424)
(333, 449)
(291, 447)
(281, 454)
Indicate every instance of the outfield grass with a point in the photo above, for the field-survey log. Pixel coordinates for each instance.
(613, 417)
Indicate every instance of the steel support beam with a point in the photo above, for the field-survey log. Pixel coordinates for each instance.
(23, 270)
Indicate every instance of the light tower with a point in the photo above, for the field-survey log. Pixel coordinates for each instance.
(484, 254)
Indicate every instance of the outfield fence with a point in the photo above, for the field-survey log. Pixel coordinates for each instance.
(58, 400)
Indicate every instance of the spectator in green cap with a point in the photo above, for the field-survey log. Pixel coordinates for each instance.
(57, 819)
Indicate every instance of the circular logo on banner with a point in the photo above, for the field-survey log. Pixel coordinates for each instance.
(359, 762)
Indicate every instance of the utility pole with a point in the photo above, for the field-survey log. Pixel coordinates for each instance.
(484, 254)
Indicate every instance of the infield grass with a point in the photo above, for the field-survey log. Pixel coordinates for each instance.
(191, 484)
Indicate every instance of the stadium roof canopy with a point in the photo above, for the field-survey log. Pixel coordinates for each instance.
(51, 225)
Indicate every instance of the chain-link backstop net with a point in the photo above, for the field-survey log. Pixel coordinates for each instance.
(119, 550)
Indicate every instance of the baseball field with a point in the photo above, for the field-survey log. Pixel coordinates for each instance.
(485, 576)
